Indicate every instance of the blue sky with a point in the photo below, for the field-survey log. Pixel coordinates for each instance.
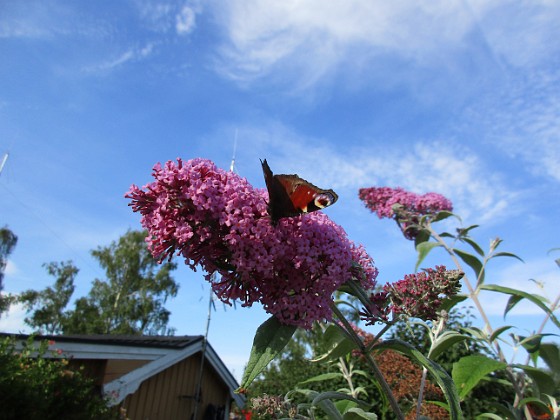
(456, 97)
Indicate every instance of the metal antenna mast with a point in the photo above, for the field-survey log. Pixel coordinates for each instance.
(4, 159)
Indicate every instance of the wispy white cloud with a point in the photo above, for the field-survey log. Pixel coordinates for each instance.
(185, 20)
(12, 321)
(128, 56)
(522, 120)
(165, 16)
(474, 186)
(304, 41)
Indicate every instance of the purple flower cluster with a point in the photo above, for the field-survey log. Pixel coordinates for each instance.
(381, 200)
(405, 207)
(216, 220)
(418, 295)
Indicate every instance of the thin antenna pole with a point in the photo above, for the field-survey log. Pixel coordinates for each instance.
(234, 151)
(5, 158)
(203, 355)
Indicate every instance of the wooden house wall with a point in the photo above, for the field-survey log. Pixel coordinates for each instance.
(171, 393)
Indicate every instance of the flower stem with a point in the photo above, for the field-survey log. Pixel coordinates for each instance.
(349, 331)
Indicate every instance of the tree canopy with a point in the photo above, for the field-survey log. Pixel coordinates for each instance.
(129, 300)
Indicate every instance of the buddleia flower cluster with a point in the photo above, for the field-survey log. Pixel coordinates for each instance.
(217, 221)
(405, 207)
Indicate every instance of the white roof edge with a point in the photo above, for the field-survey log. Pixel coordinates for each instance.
(127, 384)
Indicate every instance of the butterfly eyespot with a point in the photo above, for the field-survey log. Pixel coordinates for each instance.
(323, 200)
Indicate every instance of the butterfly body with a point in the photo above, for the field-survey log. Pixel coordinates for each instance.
(290, 195)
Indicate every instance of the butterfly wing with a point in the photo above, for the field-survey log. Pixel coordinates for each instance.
(279, 202)
(290, 195)
(305, 196)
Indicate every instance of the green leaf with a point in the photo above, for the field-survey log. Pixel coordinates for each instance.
(489, 416)
(505, 254)
(358, 414)
(423, 250)
(512, 301)
(324, 401)
(536, 299)
(322, 377)
(444, 341)
(270, 339)
(448, 303)
(438, 373)
(532, 343)
(423, 235)
(441, 215)
(543, 381)
(550, 353)
(470, 370)
(337, 344)
(498, 332)
(474, 245)
(473, 262)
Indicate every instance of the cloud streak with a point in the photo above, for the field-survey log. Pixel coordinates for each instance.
(307, 40)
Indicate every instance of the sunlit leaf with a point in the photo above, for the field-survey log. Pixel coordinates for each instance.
(358, 414)
(445, 341)
(270, 339)
(322, 377)
(470, 370)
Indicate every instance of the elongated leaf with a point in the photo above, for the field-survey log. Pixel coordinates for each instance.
(465, 231)
(337, 344)
(474, 245)
(536, 299)
(550, 353)
(441, 215)
(324, 401)
(470, 370)
(473, 262)
(356, 413)
(505, 254)
(422, 236)
(439, 374)
(489, 416)
(444, 341)
(499, 331)
(322, 377)
(448, 303)
(423, 250)
(512, 301)
(270, 339)
(543, 381)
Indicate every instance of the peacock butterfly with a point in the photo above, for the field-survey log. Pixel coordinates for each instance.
(289, 195)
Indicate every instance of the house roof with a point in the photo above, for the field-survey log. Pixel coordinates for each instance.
(161, 351)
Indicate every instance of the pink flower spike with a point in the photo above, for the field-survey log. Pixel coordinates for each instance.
(217, 221)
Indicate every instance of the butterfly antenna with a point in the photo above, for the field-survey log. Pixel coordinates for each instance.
(231, 167)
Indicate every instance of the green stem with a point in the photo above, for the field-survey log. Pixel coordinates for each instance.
(349, 331)
(473, 294)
